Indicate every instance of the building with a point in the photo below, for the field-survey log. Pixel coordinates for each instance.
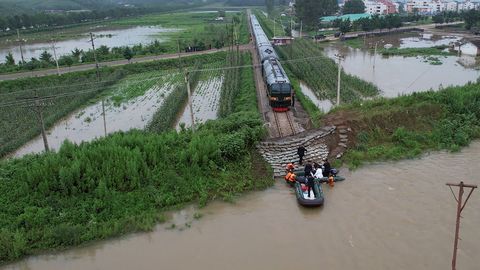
(375, 8)
(468, 47)
(391, 7)
(429, 7)
(280, 41)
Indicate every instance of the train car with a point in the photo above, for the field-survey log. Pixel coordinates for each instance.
(279, 88)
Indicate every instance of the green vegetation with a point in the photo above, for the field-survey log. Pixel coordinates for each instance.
(437, 50)
(313, 111)
(269, 26)
(321, 72)
(19, 123)
(407, 126)
(164, 119)
(196, 32)
(122, 183)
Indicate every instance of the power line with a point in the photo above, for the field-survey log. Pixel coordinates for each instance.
(153, 78)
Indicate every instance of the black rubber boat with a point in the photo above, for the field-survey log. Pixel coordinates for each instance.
(316, 198)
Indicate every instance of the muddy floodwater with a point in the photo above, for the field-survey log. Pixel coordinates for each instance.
(110, 38)
(385, 216)
(397, 75)
(325, 105)
(87, 124)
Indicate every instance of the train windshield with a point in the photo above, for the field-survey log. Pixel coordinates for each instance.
(281, 88)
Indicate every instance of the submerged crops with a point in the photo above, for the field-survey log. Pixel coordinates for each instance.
(320, 73)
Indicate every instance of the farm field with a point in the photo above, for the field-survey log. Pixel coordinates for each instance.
(320, 73)
(67, 93)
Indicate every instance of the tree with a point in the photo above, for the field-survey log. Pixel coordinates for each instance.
(310, 11)
(46, 57)
(345, 26)
(9, 60)
(270, 5)
(438, 18)
(354, 7)
(127, 53)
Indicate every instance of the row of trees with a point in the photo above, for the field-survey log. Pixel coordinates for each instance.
(42, 20)
(310, 11)
(369, 24)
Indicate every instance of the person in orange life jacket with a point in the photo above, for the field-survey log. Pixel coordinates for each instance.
(290, 167)
(290, 177)
(331, 181)
(310, 184)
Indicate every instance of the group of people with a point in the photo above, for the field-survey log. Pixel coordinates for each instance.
(312, 171)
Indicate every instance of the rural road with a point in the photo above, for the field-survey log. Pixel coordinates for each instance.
(46, 72)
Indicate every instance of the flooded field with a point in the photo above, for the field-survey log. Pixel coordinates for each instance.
(411, 40)
(396, 75)
(87, 124)
(324, 105)
(385, 216)
(205, 102)
(110, 38)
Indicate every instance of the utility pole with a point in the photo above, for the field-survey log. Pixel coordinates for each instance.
(104, 117)
(460, 206)
(95, 56)
(274, 27)
(20, 44)
(55, 56)
(339, 77)
(187, 81)
(301, 29)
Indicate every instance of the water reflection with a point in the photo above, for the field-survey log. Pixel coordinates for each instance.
(397, 75)
(110, 38)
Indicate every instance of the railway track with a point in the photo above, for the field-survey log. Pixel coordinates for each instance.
(284, 124)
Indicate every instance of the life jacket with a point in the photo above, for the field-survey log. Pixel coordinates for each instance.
(290, 177)
(290, 167)
(331, 181)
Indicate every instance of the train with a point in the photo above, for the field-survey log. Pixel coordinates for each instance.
(279, 89)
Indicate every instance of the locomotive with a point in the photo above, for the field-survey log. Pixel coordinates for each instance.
(279, 88)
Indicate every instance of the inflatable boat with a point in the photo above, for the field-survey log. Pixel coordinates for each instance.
(336, 178)
(316, 195)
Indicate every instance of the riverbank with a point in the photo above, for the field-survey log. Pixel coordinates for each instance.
(410, 125)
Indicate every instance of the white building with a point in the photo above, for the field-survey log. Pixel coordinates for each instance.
(436, 6)
(375, 8)
(451, 6)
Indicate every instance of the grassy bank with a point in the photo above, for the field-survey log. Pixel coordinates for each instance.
(19, 123)
(413, 52)
(407, 126)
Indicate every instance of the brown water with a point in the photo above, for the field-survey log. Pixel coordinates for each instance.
(397, 75)
(384, 216)
(325, 105)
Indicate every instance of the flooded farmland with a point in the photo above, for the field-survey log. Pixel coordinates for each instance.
(397, 75)
(87, 124)
(205, 102)
(396, 215)
(111, 38)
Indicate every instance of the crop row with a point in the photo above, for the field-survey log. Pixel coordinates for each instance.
(19, 123)
(307, 62)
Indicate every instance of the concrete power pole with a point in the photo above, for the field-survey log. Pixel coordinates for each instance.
(55, 56)
(460, 206)
(95, 56)
(301, 29)
(339, 77)
(20, 45)
(187, 81)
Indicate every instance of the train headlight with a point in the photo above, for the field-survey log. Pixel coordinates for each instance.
(273, 98)
(288, 98)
